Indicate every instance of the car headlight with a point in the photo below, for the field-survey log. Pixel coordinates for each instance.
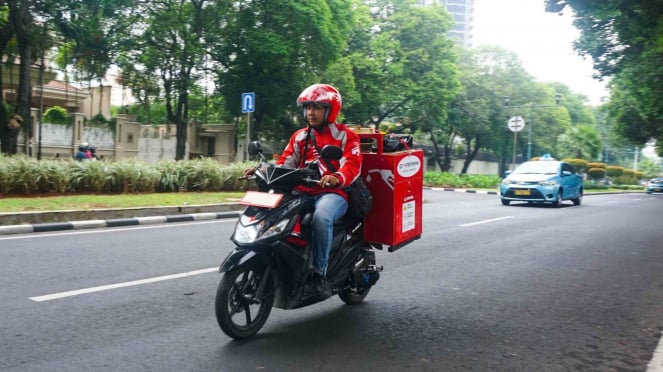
(507, 182)
(252, 233)
(548, 183)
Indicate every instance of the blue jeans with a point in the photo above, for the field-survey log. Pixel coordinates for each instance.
(328, 208)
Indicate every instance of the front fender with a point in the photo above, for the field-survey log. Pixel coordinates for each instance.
(237, 258)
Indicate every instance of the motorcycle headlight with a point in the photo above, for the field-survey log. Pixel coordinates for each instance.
(246, 234)
(252, 233)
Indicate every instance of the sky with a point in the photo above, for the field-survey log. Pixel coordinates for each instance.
(543, 41)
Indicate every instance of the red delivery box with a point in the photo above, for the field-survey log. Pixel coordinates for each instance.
(396, 182)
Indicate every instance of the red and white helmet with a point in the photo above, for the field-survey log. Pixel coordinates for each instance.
(323, 95)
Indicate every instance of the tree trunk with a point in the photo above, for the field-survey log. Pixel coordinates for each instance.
(22, 21)
(442, 159)
(470, 154)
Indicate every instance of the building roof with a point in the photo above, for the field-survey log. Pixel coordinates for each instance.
(57, 84)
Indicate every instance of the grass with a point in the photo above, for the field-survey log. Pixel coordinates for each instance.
(92, 201)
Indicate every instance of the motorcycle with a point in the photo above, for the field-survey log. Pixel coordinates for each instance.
(270, 265)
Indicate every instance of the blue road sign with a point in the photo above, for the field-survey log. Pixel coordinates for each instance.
(248, 102)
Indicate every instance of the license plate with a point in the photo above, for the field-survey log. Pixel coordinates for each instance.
(521, 192)
(261, 199)
(657, 190)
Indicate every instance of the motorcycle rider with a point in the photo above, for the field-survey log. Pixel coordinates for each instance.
(321, 105)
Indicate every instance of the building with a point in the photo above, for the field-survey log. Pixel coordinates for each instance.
(129, 139)
(462, 12)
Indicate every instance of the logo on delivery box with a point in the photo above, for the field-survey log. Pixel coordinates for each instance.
(408, 166)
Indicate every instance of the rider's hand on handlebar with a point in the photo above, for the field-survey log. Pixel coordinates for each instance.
(249, 171)
(329, 181)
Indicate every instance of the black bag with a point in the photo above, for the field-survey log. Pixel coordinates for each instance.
(360, 199)
(395, 142)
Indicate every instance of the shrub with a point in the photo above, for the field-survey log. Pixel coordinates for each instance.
(581, 165)
(131, 175)
(614, 170)
(56, 115)
(90, 176)
(446, 179)
(596, 173)
(596, 165)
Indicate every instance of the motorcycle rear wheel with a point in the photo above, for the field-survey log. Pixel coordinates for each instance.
(355, 295)
(239, 312)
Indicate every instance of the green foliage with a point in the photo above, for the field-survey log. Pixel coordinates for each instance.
(23, 175)
(580, 165)
(581, 141)
(626, 179)
(592, 185)
(90, 176)
(623, 38)
(596, 173)
(59, 175)
(446, 179)
(650, 168)
(614, 170)
(131, 175)
(56, 115)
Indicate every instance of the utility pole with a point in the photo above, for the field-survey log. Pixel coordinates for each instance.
(532, 106)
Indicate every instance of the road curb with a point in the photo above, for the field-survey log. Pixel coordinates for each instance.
(93, 224)
(484, 192)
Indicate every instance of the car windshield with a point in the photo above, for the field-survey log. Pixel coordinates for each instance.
(537, 167)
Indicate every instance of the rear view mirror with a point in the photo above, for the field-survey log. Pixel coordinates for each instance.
(331, 152)
(255, 148)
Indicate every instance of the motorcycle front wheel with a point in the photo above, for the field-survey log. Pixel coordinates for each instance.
(242, 308)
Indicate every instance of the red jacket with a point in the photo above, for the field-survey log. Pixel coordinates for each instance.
(348, 168)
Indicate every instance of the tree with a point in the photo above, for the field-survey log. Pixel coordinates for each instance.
(91, 34)
(166, 57)
(623, 37)
(582, 142)
(404, 69)
(275, 49)
(480, 114)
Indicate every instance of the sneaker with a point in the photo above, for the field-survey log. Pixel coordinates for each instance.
(320, 285)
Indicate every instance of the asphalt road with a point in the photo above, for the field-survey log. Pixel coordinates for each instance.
(487, 288)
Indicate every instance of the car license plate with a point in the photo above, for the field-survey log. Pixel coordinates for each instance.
(521, 192)
(657, 190)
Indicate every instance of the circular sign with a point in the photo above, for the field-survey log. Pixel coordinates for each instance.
(516, 124)
(408, 166)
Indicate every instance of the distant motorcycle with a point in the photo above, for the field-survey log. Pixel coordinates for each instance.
(269, 265)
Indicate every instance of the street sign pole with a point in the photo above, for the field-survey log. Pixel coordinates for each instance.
(248, 106)
(515, 139)
(248, 136)
(515, 124)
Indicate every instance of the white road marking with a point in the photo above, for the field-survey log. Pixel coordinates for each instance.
(32, 235)
(485, 221)
(656, 362)
(77, 292)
